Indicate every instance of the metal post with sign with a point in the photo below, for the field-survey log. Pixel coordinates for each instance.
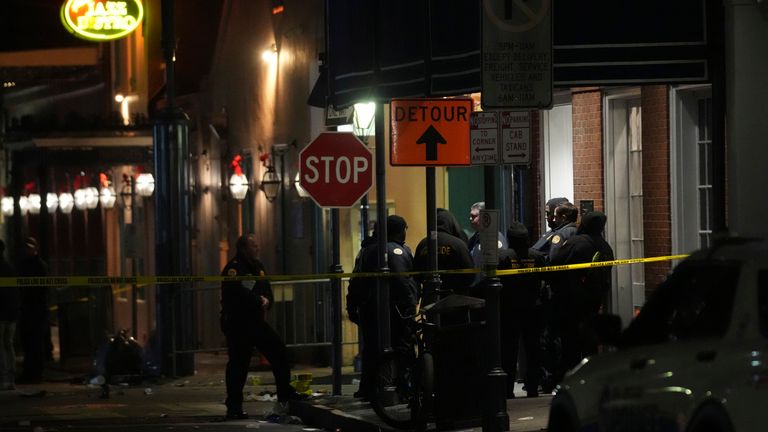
(516, 54)
(335, 169)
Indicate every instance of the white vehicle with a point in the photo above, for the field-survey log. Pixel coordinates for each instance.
(694, 360)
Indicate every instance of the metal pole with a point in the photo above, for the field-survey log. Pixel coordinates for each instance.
(382, 287)
(495, 417)
(432, 284)
(336, 303)
(173, 212)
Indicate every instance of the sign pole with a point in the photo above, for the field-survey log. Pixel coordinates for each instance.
(432, 284)
(336, 302)
(382, 286)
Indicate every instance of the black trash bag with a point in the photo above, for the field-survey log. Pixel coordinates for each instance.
(123, 360)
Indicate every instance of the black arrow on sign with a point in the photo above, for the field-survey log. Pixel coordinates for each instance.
(514, 155)
(479, 149)
(431, 137)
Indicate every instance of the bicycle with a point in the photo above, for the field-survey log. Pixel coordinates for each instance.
(404, 392)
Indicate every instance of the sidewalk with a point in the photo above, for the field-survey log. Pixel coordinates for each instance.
(64, 403)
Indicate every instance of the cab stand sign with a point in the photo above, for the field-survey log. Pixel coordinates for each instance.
(517, 54)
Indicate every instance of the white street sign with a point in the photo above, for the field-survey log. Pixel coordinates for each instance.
(516, 137)
(489, 236)
(484, 137)
(517, 54)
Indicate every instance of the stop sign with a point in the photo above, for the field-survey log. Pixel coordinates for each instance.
(336, 169)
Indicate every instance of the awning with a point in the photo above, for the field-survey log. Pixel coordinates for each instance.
(382, 49)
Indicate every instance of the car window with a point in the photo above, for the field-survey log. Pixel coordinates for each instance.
(762, 300)
(694, 302)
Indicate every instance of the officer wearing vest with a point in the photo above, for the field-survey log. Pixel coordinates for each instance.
(244, 305)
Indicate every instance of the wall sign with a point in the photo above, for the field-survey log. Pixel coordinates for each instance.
(101, 20)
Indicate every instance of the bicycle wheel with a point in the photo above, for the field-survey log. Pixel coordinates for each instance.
(422, 407)
(394, 391)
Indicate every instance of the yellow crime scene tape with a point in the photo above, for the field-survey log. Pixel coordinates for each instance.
(81, 281)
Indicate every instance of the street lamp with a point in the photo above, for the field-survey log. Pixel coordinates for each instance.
(6, 206)
(66, 202)
(34, 203)
(86, 198)
(145, 184)
(238, 186)
(51, 202)
(24, 205)
(270, 184)
(107, 195)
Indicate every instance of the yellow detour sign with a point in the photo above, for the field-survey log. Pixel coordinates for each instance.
(429, 132)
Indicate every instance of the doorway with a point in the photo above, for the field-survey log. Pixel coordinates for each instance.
(623, 151)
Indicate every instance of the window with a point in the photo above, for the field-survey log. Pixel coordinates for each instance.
(704, 145)
(696, 301)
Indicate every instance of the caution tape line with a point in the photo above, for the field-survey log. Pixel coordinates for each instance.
(157, 280)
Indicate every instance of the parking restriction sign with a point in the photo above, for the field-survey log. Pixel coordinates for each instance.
(516, 137)
(484, 137)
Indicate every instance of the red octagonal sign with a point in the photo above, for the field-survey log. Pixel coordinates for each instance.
(336, 169)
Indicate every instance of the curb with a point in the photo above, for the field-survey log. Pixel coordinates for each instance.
(326, 417)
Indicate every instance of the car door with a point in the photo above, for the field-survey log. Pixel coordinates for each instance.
(676, 344)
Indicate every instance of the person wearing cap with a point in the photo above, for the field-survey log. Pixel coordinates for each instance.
(540, 249)
(10, 307)
(244, 305)
(577, 295)
(520, 312)
(403, 296)
(34, 328)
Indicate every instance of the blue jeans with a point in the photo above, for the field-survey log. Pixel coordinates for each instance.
(7, 353)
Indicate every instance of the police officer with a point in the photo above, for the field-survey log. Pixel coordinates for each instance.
(561, 218)
(474, 242)
(566, 215)
(244, 305)
(520, 312)
(577, 295)
(403, 296)
(452, 253)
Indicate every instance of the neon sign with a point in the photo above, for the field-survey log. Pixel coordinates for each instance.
(101, 20)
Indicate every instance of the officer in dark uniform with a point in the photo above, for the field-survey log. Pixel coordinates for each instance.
(520, 312)
(452, 253)
(566, 215)
(562, 219)
(577, 295)
(403, 296)
(541, 247)
(244, 305)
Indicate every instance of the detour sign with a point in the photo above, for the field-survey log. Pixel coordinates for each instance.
(429, 132)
